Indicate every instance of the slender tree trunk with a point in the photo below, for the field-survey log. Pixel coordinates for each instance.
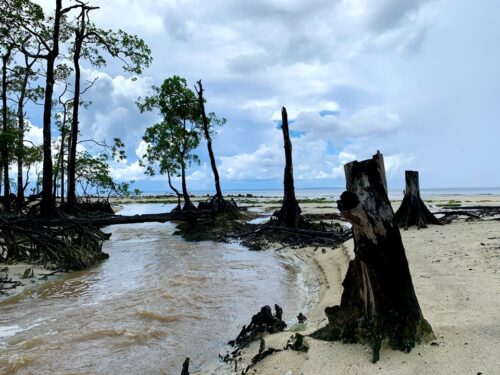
(20, 118)
(54, 182)
(174, 190)
(60, 161)
(5, 129)
(79, 35)
(187, 200)
(20, 145)
(68, 152)
(47, 204)
(378, 301)
(61, 167)
(289, 215)
(1, 176)
(413, 210)
(206, 131)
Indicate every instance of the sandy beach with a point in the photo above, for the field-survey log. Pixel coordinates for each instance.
(455, 273)
(23, 277)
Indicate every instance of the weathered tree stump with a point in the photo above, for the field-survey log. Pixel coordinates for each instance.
(262, 323)
(413, 210)
(378, 302)
(289, 214)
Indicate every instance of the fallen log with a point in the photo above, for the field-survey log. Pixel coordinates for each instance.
(100, 221)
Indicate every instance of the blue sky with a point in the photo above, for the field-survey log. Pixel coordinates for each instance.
(416, 79)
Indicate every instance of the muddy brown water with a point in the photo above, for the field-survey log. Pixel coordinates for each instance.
(156, 300)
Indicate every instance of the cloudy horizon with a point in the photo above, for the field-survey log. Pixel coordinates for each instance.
(414, 79)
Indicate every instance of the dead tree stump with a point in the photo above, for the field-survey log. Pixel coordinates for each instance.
(289, 214)
(378, 302)
(413, 210)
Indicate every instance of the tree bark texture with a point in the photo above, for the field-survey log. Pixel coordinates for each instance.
(289, 214)
(20, 138)
(413, 210)
(175, 191)
(206, 132)
(378, 302)
(5, 129)
(188, 205)
(79, 35)
(47, 204)
(21, 185)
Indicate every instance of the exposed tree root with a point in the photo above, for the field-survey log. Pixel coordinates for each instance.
(471, 212)
(219, 206)
(67, 244)
(262, 323)
(265, 235)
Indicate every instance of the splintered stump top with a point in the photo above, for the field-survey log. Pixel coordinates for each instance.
(378, 302)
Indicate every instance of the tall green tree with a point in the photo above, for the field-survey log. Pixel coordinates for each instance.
(29, 17)
(89, 43)
(6, 57)
(160, 156)
(23, 81)
(177, 136)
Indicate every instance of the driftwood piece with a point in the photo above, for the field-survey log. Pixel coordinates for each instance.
(378, 302)
(413, 210)
(289, 214)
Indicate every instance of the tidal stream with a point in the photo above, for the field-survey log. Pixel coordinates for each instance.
(155, 301)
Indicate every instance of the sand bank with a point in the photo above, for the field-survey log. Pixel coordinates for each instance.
(24, 276)
(455, 273)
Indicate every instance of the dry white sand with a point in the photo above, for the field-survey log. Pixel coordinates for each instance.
(455, 270)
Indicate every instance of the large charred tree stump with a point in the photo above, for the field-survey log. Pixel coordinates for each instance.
(379, 301)
(413, 210)
(289, 214)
